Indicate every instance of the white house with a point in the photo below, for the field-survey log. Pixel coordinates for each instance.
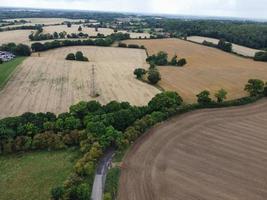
(6, 56)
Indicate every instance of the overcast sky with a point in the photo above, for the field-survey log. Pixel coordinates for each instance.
(233, 8)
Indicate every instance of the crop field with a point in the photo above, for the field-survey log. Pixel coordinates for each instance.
(16, 36)
(207, 68)
(90, 31)
(245, 51)
(207, 154)
(31, 176)
(45, 21)
(51, 83)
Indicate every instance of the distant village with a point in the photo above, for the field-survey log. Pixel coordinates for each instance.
(6, 56)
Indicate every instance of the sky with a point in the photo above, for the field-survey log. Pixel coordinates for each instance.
(225, 8)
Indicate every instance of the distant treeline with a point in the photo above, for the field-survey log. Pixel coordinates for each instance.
(246, 33)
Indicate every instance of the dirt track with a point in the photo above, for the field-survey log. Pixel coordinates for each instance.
(218, 154)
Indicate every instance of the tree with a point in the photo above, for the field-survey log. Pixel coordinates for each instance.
(153, 76)
(70, 56)
(255, 87)
(38, 46)
(79, 56)
(181, 62)
(261, 56)
(165, 100)
(68, 24)
(55, 35)
(22, 50)
(1, 61)
(221, 95)
(225, 46)
(203, 97)
(139, 72)
(80, 28)
(174, 60)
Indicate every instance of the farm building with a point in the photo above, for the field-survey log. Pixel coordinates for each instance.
(6, 56)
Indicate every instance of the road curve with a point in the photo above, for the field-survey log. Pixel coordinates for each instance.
(211, 154)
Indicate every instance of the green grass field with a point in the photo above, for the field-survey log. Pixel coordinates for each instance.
(30, 176)
(7, 68)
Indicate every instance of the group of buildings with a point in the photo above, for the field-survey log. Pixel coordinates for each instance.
(6, 56)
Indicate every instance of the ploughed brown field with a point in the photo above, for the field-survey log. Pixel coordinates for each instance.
(207, 68)
(216, 154)
(50, 83)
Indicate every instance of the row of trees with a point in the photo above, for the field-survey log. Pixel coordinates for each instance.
(133, 46)
(61, 35)
(17, 49)
(77, 56)
(222, 44)
(161, 59)
(254, 87)
(108, 41)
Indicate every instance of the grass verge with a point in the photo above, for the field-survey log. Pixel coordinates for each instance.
(7, 68)
(30, 176)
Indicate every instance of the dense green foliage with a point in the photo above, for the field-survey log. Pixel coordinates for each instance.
(153, 76)
(17, 49)
(111, 186)
(161, 59)
(255, 87)
(246, 33)
(31, 175)
(108, 41)
(203, 97)
(7, 68)
(225, 46)
(221, 95)
(139, 73)
(78, 56)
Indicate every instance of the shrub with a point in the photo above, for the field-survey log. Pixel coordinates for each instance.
(139, 72)
(70, 56)
(79, 56)
(107, 196)
(261, 56)
(122, 45)
(181, 62)
(80, 28)
(134, 46)
(254, 87)
(1, 61)
(153, 76)
(203, 97)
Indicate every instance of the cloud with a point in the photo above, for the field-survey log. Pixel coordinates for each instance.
(235, 8)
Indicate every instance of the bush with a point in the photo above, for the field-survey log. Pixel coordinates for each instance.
(70, 56)
(79, 56)
(139, 72)
(153, 76)
(225, 46)
(261, 56)
(181, 62)
(203, 97)
(255, 87)
(160, 59)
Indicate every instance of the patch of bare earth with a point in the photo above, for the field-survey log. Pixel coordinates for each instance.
(216, 154)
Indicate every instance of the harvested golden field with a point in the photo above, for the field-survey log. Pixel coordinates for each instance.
(216, 154)
(17, 36)
(51, 83)
(90, 31)
(45, 21)
(245, 51)
(207, 68)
